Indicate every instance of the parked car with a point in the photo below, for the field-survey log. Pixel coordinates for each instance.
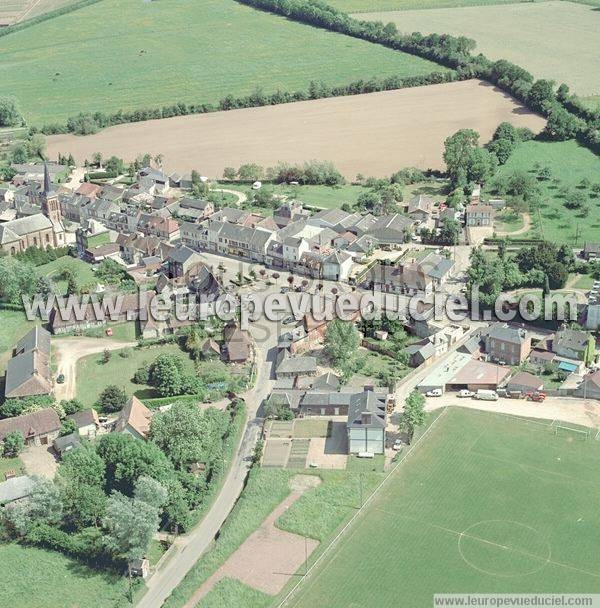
(289, 320)
(436, 392)
(465, 393)
(60, 379)
(397, 445)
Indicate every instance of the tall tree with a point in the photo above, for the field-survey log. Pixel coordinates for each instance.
(341, 341)
(414, 415)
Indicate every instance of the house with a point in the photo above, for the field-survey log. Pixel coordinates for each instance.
(195, 209)
(16, 488)
(479, 215)
(336, 266)
(589, 387)
(366, 423)
(420, 352)
(88, 190)
(508, 344)
(327, 382)
(66, 443)
(183, 261)
(293, 367)
(575, 344)
(288, 212)
(237, 344)
(592, 310)
(391, 230)
(134, 419)
(524, 382)
(590, 251)
(153, 180)
(38, 428)
(87, 422)
(162, 227)
(28, 371)
(420, 208)
(329, 218)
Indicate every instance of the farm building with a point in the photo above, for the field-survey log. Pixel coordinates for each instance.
(37, 428)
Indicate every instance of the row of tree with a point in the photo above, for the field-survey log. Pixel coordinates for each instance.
(456, 53)
(87, 123)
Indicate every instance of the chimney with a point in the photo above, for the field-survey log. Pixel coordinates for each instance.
(366, 418)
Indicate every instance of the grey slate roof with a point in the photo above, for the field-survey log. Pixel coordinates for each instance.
(366, 402)
(297, 365)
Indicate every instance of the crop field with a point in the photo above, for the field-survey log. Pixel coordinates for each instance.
(486, 503)
(381, 132)
(129, 54)
(569, 164)
(538, 36)
(15, 11)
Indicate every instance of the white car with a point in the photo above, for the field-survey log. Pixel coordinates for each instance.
(397, 445)
(436, 392)
(465, 393)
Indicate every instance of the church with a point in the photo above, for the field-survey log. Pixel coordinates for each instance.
(43, 229)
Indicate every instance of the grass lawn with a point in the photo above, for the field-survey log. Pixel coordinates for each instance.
(93, 376)
(333, 197)
(490, 503)
(508, 221)
(312, 427)
(570, 163)
(535, 35)
(10, 464)
(34, 578)
(84, 275)
(14, 326)
(121, 55)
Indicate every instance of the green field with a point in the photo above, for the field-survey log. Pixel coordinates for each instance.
(34, 578)
(128, 54)
(556, 40)
(351, 6)
(485, 503)
(570, 163)
(93, 375)
(331, 197)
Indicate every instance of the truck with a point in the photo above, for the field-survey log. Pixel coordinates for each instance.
(486, 395)
(536, 396)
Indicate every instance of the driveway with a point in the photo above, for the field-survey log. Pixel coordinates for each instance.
(67, 351)
(241, 196)
(39, 460)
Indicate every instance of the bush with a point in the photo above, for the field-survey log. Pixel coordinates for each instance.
(112, 398)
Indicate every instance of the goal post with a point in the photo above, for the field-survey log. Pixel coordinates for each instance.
(561, 430)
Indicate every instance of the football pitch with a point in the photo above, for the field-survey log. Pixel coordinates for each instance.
(485, 503)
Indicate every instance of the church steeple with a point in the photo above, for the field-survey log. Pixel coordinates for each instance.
(49, 199)
(47, 182)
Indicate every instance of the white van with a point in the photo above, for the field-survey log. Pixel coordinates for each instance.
(486, 395)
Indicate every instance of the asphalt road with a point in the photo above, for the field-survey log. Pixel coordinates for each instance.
(189, 548)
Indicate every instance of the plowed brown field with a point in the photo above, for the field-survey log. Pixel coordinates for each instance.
(374, 134)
